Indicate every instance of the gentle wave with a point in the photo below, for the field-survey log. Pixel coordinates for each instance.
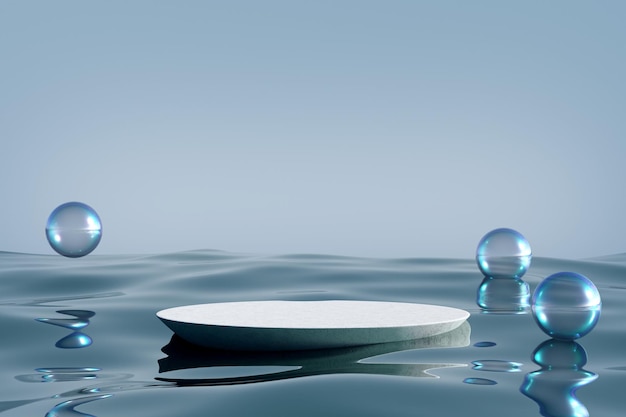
(130, 354)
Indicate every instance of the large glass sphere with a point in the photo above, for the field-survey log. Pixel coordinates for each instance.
(503, 253)
(566, 305)
(74, 229)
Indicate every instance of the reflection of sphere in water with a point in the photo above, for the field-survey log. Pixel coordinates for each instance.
(74, 229)
(510, 295)
(560, 354)
(554, 386)
(566, 305)
(503, 253)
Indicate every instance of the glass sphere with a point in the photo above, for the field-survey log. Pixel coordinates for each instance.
(503, 253)
(566, 305)
(74, 229)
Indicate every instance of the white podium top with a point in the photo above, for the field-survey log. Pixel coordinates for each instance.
(288, 325)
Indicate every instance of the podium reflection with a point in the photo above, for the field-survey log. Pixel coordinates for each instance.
(296, 364)
(554, 386)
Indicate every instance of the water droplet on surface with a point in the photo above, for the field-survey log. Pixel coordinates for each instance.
(484, 344)
(566, 305)
(74, 229)
(479, 381)
(503, 253)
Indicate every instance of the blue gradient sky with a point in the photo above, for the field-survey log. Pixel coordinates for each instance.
(370, 128)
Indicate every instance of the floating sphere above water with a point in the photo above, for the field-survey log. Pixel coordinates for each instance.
(503, 253)
(566, 305)
(74, 229)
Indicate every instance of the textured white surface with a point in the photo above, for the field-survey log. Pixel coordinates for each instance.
(288, 325)
(333, 314)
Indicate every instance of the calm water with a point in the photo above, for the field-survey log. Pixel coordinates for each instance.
(81, 336)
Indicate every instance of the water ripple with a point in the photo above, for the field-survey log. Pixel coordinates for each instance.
(496, 366)
(479, 381)
(67, 408)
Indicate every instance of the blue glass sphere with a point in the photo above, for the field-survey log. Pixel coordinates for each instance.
(566, 305)
(74, 229)
(503, 253)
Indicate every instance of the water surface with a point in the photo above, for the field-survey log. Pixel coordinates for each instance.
(81, 336)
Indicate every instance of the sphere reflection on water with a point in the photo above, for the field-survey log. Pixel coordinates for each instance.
(503, 294)
(554, 386)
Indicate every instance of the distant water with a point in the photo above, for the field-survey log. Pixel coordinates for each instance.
(80, 337)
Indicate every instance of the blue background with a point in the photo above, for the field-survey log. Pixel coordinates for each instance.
(370, 128)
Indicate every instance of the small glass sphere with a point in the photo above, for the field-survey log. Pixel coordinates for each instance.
(503, 253)
(566, 305)
(74, 229)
